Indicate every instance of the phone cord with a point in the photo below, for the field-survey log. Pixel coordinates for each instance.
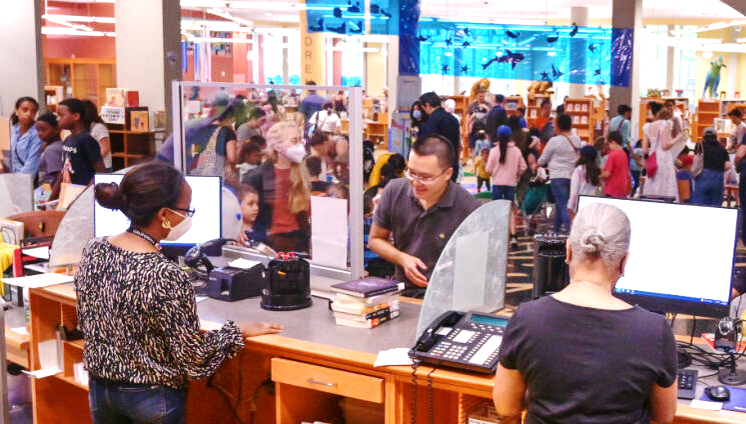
(413, 409)
(431, 407)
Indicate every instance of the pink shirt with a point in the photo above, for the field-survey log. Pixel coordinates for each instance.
(506, 174)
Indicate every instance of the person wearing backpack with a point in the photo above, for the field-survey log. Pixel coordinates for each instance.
(709, 184)
(560, 155)
(621, 123)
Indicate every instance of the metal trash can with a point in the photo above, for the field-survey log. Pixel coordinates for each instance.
(551, 273)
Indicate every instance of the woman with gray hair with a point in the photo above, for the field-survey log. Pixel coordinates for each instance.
(583, 355)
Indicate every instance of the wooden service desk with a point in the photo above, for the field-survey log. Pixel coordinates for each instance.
(314, 370)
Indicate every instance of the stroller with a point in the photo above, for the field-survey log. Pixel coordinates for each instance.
(531, 197)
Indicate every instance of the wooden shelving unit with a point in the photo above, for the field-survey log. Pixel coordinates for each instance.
(82, 78)
(130, 147)
(53, 94)
(462, 108)
(512, 104)
(533, 109)
(581, 111)
(682, 104)
(707, 111)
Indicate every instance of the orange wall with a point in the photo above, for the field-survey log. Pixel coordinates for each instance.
(88, 47)
(222, 68)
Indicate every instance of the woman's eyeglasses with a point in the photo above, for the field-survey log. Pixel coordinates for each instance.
(188, 212)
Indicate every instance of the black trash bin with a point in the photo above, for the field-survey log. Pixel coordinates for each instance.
(551, 273)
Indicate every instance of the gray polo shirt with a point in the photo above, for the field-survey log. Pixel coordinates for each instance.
(417, 232)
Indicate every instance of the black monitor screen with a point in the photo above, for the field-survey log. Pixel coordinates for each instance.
(681, 256)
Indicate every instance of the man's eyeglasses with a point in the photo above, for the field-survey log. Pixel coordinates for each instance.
(411, 176)
(188, 212)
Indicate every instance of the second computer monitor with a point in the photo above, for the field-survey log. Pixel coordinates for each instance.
(681, 256)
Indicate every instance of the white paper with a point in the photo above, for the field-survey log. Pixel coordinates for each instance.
(40, 267)
(198, 299)
(20, 330)
(44, 372)
(393, 357)
(39, 280)
(37, 252)
(703, 404)
(243, 263)
(48, 354)
(329, 231)
(210, 326)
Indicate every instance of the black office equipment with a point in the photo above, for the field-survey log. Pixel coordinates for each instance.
(231, 284)
(469, 341)
(687, 383)
(289, 286)
(718, 393)
(551, 273)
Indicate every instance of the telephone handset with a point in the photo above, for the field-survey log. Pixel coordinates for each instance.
(469, 341)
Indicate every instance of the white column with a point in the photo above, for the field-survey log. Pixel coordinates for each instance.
(671, 60)
(628, 14)
(732, 69)
(285, 65)
(22, 64)
(579, 16)
(147, 48)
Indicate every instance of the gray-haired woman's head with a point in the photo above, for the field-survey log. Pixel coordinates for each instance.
(600, 232)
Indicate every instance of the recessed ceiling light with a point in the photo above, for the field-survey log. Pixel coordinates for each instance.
(268, 14)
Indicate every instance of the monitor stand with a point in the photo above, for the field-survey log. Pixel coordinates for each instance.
(730, 375)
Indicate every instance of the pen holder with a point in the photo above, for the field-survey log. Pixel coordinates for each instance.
(289, 284)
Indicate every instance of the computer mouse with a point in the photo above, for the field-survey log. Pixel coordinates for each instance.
(718, 393)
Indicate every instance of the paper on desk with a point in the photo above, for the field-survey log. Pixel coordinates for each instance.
(393, 357)
(329, 231)
(243, 263)
(37, 252)
(703, 404)
(39, 280)
(48, 359)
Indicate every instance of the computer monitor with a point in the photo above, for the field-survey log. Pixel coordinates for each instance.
(206, 223)
(681, 256)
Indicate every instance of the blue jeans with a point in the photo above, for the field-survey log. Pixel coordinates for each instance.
(708, 188)
(561, 191)
(117, 403)
(503, 192)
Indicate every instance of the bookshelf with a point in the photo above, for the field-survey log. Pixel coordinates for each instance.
(53, 94)
(462, 109)
(130, 147)
(707, 112)
(682, 104)
(512, 104)
(582, 111)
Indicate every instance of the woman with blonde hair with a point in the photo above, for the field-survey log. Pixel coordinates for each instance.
(659, 141)
(579, 340)
(284, 190)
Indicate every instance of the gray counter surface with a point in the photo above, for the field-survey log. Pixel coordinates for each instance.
(316, 324)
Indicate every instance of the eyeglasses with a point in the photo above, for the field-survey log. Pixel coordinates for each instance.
(188, 212)
(411, 176)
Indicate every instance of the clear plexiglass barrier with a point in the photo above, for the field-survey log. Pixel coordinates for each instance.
(293, 157)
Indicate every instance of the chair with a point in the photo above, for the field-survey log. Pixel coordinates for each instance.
(39, 223)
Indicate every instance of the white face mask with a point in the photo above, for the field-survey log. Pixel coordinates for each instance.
(295, 153)
(180, 229)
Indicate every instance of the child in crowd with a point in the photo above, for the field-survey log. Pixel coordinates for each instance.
(482, 143)
(684, 173)
(251, 157)
(586, 178)
(94, 125)
(338, 191)
(636, 165)
(249, 199)
(483, 177)
(314, 170)
(52, 158)
(82, 152)
(616, 175)
(532, 188)
(601, 150)
(739, 129)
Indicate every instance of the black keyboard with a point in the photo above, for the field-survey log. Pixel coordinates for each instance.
(687, 383)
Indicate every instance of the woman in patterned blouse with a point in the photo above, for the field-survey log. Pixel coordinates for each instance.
(137, 311)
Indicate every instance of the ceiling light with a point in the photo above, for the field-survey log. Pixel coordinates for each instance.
(72, 18)
(229, 16)
(71, 31)
(717, 25)
(191, 37)
(707, 54)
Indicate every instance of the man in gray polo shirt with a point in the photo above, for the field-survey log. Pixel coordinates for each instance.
(421, 212)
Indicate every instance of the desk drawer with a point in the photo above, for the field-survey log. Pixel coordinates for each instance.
(328, 380)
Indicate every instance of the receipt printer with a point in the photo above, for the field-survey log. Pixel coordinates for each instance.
(231, 284)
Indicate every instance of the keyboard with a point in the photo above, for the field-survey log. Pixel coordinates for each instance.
(687, 383)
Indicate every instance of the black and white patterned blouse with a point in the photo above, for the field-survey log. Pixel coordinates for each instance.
(139, 318)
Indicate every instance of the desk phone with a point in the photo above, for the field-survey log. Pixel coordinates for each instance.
(469, 341)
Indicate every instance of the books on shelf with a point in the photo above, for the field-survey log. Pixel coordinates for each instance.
(368, 286)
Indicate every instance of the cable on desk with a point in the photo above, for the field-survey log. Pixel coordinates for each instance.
(707, 376)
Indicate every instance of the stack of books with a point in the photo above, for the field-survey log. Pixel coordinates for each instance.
(366, 303)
